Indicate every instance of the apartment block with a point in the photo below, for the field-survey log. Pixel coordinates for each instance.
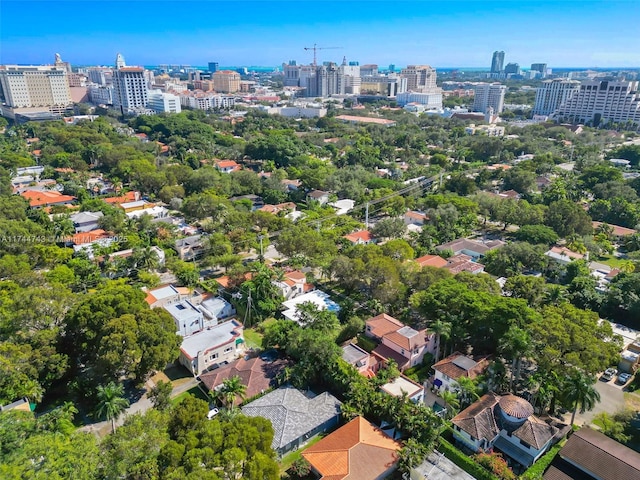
(489, 95)
(226, 81)
(552, 94)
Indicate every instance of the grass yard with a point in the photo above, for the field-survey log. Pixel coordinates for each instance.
(613, 262)
(195, 391)
(287, 460)
(253, 338)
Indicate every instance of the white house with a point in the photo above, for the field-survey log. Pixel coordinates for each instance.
(402, 385)
(455, 366)
(223, 342)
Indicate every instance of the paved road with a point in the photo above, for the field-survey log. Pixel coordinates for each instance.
(611, 400)
(142, 405)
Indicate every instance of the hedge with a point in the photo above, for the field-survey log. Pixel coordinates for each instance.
(535, 471)
(464, 462)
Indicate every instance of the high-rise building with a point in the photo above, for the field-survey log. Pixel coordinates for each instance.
(99, 75)
(27, 89)
(392, 68)
(599, 102)
(512, 69)
(368, 69)
(497, 62)
(539, 67)
(420, 78)
(291, 73)
(130, 90)
(552, 94)
(489, 96)
(226, 81)
(59, 63)
(213, 67)
(161, 102)
(101, 95)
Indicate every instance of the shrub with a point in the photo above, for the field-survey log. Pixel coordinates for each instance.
(495, 463)
(535, 471)
(464, 462)
(300, 468)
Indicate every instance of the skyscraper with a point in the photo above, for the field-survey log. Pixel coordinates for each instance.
(129, 87)
(497, 62)
(489, 95)
(512, 69)
(552, 94)
(226, 81)
(539, 67)
(420, 78)
(213, 67)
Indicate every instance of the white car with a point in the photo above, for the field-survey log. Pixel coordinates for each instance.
(212, 413)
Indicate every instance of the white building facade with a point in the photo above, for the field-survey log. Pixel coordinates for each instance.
(552, 94)
(161, 102)
(489, 95)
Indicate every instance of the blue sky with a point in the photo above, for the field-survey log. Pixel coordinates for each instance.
(579, 33)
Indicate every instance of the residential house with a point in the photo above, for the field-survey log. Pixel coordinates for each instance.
(159, 253)
(294, 283)
(318, 196)
(343, 206)
(473, 248)
(356, 451)
(257, 374)
(431, 261)
(399, 342)
(198, 313)
(293, 185)
(319, 298)
(367, 364)
(190, 248)
(463, 263)
(455, 366)
(296, 418)
(617, 231)
(154, 211)
(85, 241)
(223, 342)
(256, 200)
(281, 207)
(86, 221)
(125, 198)
(415, 218)
(507, 424)
(22, 405)
(163, 295)
(401, 386)
(563, 255)
(591, 455)
(46, 198)
(361, 237)
(227, 166)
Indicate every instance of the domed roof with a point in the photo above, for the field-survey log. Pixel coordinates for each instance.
(515, 406)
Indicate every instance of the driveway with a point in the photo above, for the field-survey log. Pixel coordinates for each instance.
(611, 400)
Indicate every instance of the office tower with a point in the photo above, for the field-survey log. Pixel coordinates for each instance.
(129, 87)
(164, 102)
(392, 68)
(512, 69)
(539, 67)
(101, 95)
(213, 67)
(599, 102)
(420, 78)
(98, 75)
(368, 70)
(226, 81)
(27, 89)
(349, 78)
(489, 95)
(389, 86)
(497, 62)
(552, 94)
(291, 74)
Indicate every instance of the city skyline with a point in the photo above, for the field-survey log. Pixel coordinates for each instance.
(442, 34)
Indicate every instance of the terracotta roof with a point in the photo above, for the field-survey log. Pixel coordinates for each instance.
(39, 198)
(478, 419)
(382, 324)
(450, 369)
(617, 229)
(354, 118)
(363, 235)
(256, 374)
(356, 451)
(565, 251)
(515, 406)
(88, 237)
(470, 245)
(415, 215)
(295, 275)
(226, 164)
(431, 261)
(408, 338)
(126, 198)
(388, 353)
(463, 263)
(535, 432)
(597, 456)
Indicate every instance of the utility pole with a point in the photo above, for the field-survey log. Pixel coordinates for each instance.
(260, 237)
(366, 217)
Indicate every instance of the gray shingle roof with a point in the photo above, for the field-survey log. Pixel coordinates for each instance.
(293, 414)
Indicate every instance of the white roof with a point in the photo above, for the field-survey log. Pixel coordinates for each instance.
(164, 292)
(139, 203)
(183, 312)
(153, 211)
(215, 305)
(317, 297)
(210, 338)
(400, 385)
(343, 206)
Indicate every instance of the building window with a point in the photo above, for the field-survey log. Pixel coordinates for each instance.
(213, 357)
(228, 349)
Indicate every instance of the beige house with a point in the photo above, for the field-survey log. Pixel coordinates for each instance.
(203, 350)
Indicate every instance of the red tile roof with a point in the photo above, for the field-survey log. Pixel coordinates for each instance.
(227, 164)
(362, 235)
(617, 229)
(382, 324)
(431, 261)
(39, 198)
(88, 237)
(450, 369)
(356, 451)
(126, 198)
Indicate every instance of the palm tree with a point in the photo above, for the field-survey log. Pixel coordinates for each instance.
(467, 391)
(111, 403)
(627, 266)
(451, 403)
(578, 390)
(442, 331)
(230, 389)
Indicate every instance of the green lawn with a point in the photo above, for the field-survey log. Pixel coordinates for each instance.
(195, 391)
(288, 459)
(613, 262)
(253, 338)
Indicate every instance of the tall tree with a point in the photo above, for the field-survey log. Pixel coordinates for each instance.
(579, 392)
(231, 389)
(111, 403)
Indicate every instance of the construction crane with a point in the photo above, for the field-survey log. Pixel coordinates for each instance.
(315, 49)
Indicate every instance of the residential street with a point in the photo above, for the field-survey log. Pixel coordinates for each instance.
(611, 400)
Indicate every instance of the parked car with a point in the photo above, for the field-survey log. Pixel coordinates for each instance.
(608, 374)
(212, 413)
(624, 378)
